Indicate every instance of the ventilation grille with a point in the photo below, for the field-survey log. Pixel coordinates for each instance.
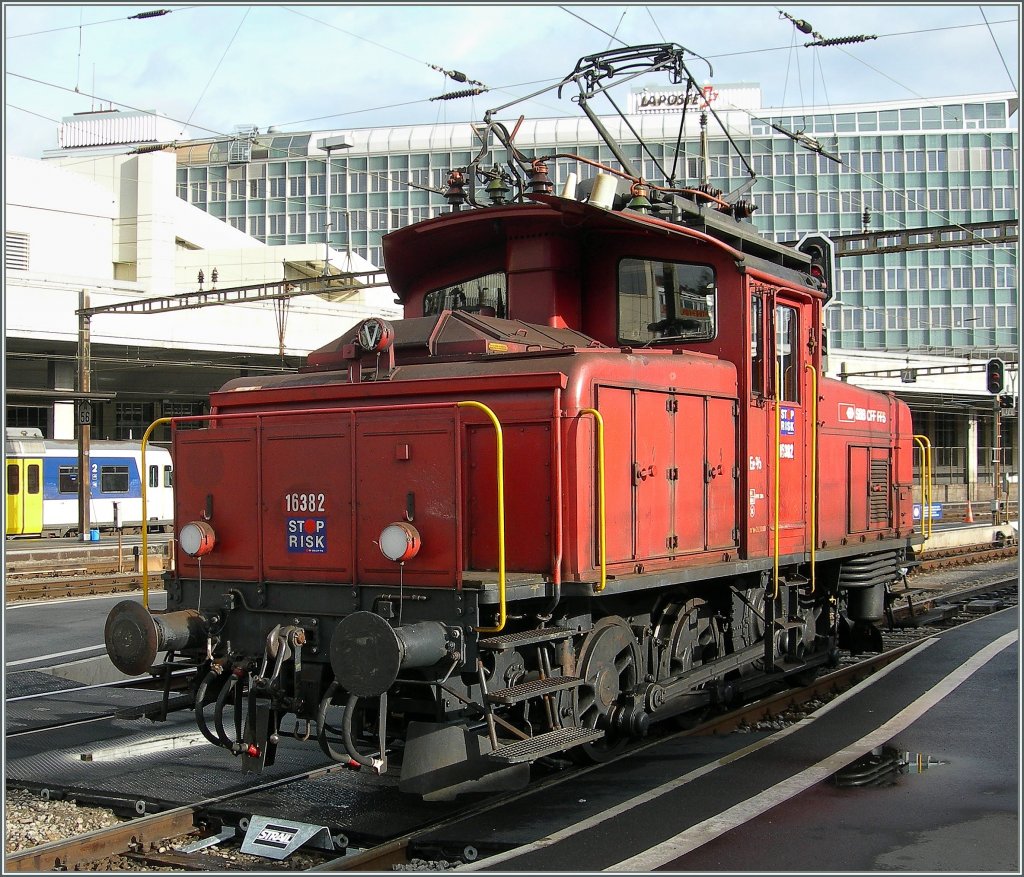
(879, 492)
(15, 251)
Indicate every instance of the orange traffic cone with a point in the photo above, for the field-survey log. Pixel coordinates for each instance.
(969, 516)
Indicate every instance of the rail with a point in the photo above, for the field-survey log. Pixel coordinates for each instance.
(601, 496)
(260, 415)
(814, 471)
(500, 465)
(925, 445)
(775, 482)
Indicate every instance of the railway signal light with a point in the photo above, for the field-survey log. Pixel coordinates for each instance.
(822, 251)
(994, 376)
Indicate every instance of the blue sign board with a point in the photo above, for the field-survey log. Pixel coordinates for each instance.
(936, 511)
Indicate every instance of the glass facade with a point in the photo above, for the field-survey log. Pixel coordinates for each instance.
(907, 165)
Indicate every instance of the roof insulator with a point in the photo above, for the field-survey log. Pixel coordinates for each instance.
(497, 190)
(540, 182)
(639, 201)
(456, 194)
(153, 13)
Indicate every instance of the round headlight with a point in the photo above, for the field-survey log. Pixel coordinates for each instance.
(399, 542)
(197, 538)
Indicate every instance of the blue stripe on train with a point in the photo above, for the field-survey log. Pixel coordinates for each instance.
(51, 472)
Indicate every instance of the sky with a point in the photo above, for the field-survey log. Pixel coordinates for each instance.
(214, 67)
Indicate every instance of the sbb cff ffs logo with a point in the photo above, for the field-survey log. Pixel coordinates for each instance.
(822, 251)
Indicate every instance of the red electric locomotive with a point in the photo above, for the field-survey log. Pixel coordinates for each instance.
(594, 479)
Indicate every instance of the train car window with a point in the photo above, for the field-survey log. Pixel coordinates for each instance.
(154, 476)
(666, 300)
(113, 479)
(13, 479)
(486, 295)
(32, 479)
(756, 347)
(168, 477)
(67, 479)
(787, 352)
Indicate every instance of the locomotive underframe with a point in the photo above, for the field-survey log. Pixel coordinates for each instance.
(648, 648)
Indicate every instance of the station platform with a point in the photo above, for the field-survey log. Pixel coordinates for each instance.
(656, 807)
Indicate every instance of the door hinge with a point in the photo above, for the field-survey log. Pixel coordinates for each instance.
(672, 542)
(672, 406)
(672, 474)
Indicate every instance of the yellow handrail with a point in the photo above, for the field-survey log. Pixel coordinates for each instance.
(145, 527)
(501, 514)
(924, 443)
(778, 457)
(601, 508)
(814, 469)
(502, 614)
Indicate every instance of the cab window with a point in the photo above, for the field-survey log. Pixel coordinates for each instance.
(756, 347)
(486, 295)
(787, 353)
(661, 300)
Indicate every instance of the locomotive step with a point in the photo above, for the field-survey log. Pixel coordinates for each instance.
(524, 638)
(789, 624)
(536, 688)
(544, 744)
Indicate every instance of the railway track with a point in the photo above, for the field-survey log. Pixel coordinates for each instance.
(153, 840)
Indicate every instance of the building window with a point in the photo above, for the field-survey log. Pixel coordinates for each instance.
(132, 419)
(198, 191)
(959, 199)
(16, 250)
(278, 224)
(278, 187)
(297, 223)
(318, 184)
(258, 188)
(785, 202)
(297, 186)
(28, 416)
(1002, 160)
(218, 190)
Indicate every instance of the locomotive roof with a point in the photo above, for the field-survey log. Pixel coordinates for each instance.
(410, 251)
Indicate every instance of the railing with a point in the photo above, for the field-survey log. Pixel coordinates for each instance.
(926, 483)
(949, 464)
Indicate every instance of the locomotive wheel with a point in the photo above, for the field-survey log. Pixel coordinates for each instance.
(688, 630)
(751, 627)
(609, 665)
